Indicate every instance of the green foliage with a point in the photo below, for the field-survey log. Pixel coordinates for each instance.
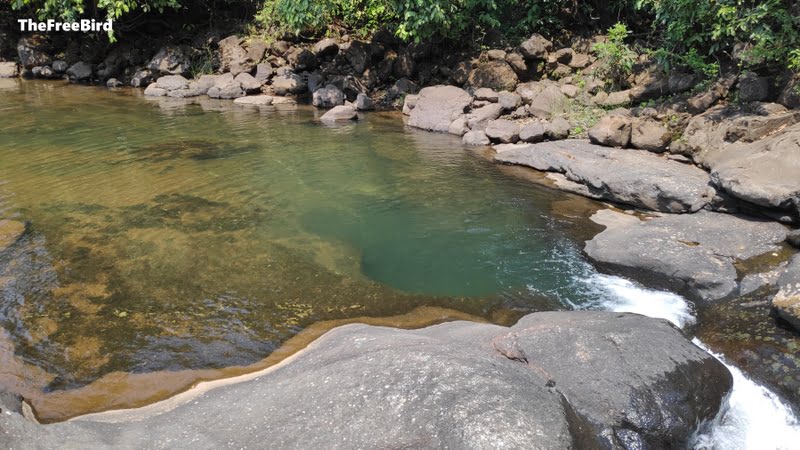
(766, 31)
(616, 57)
(794, 59)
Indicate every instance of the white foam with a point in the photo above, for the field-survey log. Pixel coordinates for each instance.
(753, 418)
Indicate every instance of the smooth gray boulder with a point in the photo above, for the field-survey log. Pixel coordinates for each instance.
(637, 178)
(486, 94)
(786, 302)
(327, 97)
(547, 102)
(437, 107)
(364, 102)
(248, 83)
(80, 71)
(692, 254)
(172, 82)
(288, 83)
(765, 172)
(479, 118)
(475, 138)
(340, 113)
(502, 130)
(153, 90)
(409, 102)
(557, 129)
(555, 380)
(611, 131)
(649, 135)
(532, 132)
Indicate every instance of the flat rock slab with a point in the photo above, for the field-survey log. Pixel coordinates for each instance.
(632, 177)
(765, 172)
(556, 380)
(692, 254)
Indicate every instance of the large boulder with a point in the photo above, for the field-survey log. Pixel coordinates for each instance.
(494, 74)
(438, 106)
(790, 94)
(502, 130)
(358, 55)
(32, 52)
(141, 78)
(289, 83)
(170, 60)
(80, 72)
(302, 59)
(650, 135)
(536, 47)
(786, 302)
(340, 113)
(612, 131)
(555, 380)
(641, 179)
(753, 88)
(326, 48)
(692, 254)
(233, 57)
(328, 97)
(8, 69)
(546, 102)
(765, 172)
(479, 118)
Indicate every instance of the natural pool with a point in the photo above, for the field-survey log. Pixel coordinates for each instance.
(168, 234)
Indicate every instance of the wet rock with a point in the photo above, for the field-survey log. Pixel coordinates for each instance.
(8, 69)
(532, 132)
(502, 130)
(10, 232)
(612, 131)
(536, 47)
(326, 48)
(557, 129)
(475, 138)
(765, 172)
(641, 179)
(170, 60)
(547, 102)
(495, 74)
(438, 106)
(113, 83)
(786, 302)
(154, 91)
(753, 88)
(480, 117)
(328, 97)
(340, 113)
(486, 94)
(141, 78)
(80, 72)
(233, 57)
(44, 72)
(172, 82)
(692, 254)
(289, 83)
(650, 135)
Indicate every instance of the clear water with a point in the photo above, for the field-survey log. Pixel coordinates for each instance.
(167, 234)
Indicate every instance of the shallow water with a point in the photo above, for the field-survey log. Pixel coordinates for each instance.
(166, 234)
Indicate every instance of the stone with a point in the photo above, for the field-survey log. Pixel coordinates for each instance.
(438, 106)
(547, 102)
(290, 83)
(563, 56)
(113, 83)
(358, 55)
(248, 83)
(486, 94)
(555, 380)
(570, 90)
(255, 100)
(264, 72)
(340, 113)
(409, 102)
(557, 129)
(517, 63)
(579, 61)
(60, 67)
(8, 69)
(753, 88)
(233, 57)
(495, 74)
(793, 238)
(461, 73)
(142, 78)
(536, 47)
(786, 302)
(45, 72)
(80, 71)
(478, 118)
(314, 81)
(172, 82)
(475, 138)
(302, 59)
(509, 100)
(154, 91)
(364, 102)
(502, 130)
(765, 172)
(404, 66)
(532, 132)
(31, 52)
(640, 179)
(170, 60)
(496, 55)
(10, 232)
(704, 100)
(326, 48)
(650, 135)
(403, 86)
(611, 131)
(328, 97)
(279, 48)
(691, 254)
(613, 99)
(790, 94)
(256, 50)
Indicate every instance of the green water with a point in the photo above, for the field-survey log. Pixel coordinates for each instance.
(169, 234)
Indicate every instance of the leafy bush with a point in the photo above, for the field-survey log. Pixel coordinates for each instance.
(616, 57)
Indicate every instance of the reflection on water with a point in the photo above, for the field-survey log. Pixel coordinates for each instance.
(174, 234)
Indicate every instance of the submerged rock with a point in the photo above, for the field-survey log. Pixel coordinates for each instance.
(787, 301)
(10, 232)
(692, 254)
(554, 380)
(636, 178)
(338, 113)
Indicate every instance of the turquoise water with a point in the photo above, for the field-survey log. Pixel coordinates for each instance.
(168, 234)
